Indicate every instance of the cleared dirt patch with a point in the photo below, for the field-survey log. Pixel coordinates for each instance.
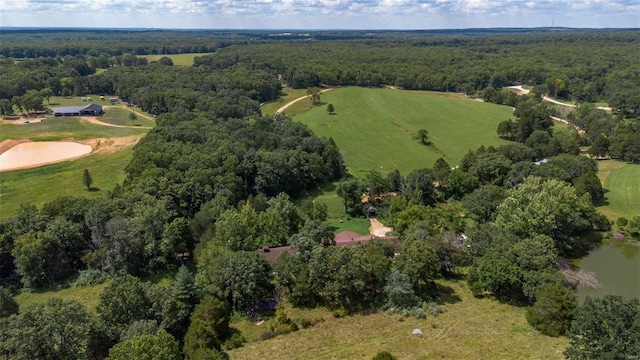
(112, 145)
(378, 229)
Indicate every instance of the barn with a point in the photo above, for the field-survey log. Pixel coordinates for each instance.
(87, 110)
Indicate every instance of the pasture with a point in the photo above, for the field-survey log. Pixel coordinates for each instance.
(469, 328)
(178, 59)
(621, 182)
(288, 94)
(376, 128)
(58, 101)
(62, 128)
(43, 184)
(120, 116)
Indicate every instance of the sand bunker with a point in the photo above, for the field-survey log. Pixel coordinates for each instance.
(30, 154)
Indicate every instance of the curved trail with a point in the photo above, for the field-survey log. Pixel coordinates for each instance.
(283, 108)
(94, 120)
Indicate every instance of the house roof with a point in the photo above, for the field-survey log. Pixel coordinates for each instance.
(77, 109)
(272, 253)
(345, 238)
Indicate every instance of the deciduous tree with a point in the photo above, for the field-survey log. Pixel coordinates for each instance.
(87, 180)
(605, 328)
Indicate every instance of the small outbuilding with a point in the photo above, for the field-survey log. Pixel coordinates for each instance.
(88, 110)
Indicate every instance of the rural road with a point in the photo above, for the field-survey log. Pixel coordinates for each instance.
(94, 120)
(279, 111)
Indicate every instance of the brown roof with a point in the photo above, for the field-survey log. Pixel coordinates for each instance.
(345, 238)
(272, 253)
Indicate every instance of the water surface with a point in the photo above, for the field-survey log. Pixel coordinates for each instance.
(616, 266)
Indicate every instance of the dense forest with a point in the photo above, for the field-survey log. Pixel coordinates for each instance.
(215, 181)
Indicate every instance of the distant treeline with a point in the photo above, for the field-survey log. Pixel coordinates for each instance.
(585, 66)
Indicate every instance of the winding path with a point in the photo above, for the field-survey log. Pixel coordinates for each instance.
(94, 120)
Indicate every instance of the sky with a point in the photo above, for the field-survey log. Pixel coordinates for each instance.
(320, 14)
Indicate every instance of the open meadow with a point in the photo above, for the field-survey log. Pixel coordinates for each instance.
(621, 182)
(469, 328)
(65, 128)
(42, 184)
(288, 94)
(178, 59)
(377, 128)
(112, 151)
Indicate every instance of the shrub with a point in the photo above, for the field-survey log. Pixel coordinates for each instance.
(268, 334)
(90, 277)
(433, 308)
(235, 341)
(552, 312)
(384, 355)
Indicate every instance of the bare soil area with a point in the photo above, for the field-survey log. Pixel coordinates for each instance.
(378, 229)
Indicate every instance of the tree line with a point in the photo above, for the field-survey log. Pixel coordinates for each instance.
(215, 181)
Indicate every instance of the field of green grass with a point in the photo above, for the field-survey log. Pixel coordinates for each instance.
(470, 328)
(178, 59)
(58, 101)
(288, 94)
(120, 116)
(376, 128)
(621, 182)
(42, 184)
(60, 128)
(88, 296)
(336, 216)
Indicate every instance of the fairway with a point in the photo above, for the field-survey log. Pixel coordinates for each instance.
(621, 182)
(376, 128)
(469, 328)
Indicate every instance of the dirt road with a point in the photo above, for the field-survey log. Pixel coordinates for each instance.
(283, 108)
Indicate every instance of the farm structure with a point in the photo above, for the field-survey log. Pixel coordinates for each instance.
(88, 110)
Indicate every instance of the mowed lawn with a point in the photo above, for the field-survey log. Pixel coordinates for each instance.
(470, 328)
(376, 128)
(178, 59)
(63, 128)
(621, 182)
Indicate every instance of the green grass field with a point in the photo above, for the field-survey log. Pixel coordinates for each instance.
(178, 59)
(621, 182)
(60, 128)
(375, 128)
(88, 296)
(470, 328)
(58, 101)
(42, 184)
(120, 116)
(288, 94)
(336, 216)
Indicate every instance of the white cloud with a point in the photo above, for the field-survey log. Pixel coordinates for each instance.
(319, 13)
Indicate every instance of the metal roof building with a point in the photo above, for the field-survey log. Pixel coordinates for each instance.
(86, 110)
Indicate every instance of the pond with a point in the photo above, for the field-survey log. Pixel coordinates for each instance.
(616, 265)
(32, 154)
